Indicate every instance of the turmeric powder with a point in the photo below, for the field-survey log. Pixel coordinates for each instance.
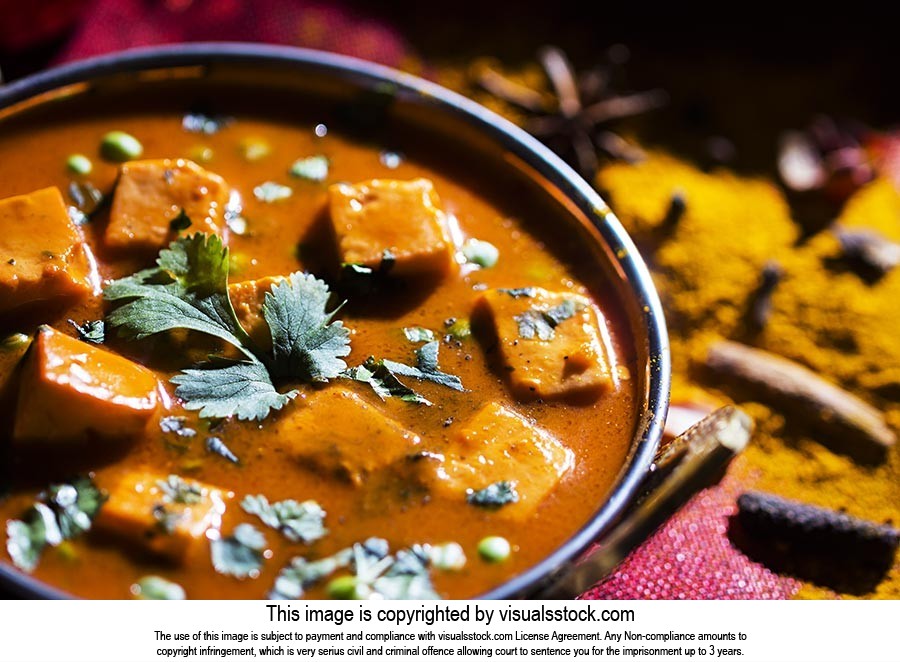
(823, 315)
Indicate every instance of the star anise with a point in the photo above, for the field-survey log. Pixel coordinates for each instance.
(576, 123)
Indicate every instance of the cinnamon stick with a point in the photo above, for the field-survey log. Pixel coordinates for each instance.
(858, 427)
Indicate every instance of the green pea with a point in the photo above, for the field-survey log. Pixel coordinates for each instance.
(343, 588)
(14, 342)
(494, 549)
(120, 146)
(79, 164)
(482, 253)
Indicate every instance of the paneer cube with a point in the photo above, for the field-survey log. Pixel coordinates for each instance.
(387, 219)
(163, 515)
(73, 391)
(150, 195)
(340, 433)
(42, 253)
(498, 444)
(551, 343)
(247, 297)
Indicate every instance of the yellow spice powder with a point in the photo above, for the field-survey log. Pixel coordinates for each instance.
(824, 315)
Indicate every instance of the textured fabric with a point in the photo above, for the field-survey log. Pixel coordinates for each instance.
(112, 25)
(691, 556)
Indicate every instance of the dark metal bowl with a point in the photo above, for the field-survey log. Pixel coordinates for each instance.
(342, 76)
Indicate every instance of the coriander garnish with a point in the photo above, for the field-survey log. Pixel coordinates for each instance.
(217, 446)
(62, 512)
(494, 495)
(272, 192)
(382, 375)
(540, 324)
(384, 382)
(189, 289)
(426, 368)
(197, 122)
(92, 331)
(299, 522)
(180, 222)
(241, 554)
(519, 292)
(418, 334)
(153, 587)
(312, 168)
(176, 425)
(375, 572)
(178, 490)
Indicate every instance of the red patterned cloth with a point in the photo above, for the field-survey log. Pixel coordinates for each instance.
(690, 557)
(117, 24)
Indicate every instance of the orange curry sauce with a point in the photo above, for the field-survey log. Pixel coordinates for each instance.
(535, 250)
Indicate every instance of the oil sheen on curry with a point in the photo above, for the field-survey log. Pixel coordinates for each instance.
(267, 357)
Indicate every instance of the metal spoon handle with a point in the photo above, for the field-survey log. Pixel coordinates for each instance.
(699, 456)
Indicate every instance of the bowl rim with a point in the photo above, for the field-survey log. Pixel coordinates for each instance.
(653, 408)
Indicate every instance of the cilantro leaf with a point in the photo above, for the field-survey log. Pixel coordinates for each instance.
(426, 368)
(180, 222)
(272, 192)
(187, 289)
(362, 280)
(176, 425)
(178, 490)
(306, 343)
(75, 505)
(300, 574)
(312, 168)
(559, 314)
(447, 556)
(166, 521)
(241, 554)
(153, 587)
(62, 512)
(533, 324)
(542, 323)
(198, 122)
(384, 382)
(418, 334)
(517, 292)
(301, 522)
(92, 331)
(223, 388)
(88, 199)
(25, 540)
(376, 573)
(408, 577)
(370, 559)
(217, 446)
(494, 495)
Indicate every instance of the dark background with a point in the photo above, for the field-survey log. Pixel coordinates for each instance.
(746, 72)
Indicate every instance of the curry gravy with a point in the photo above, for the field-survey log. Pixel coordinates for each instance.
(536, 249)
